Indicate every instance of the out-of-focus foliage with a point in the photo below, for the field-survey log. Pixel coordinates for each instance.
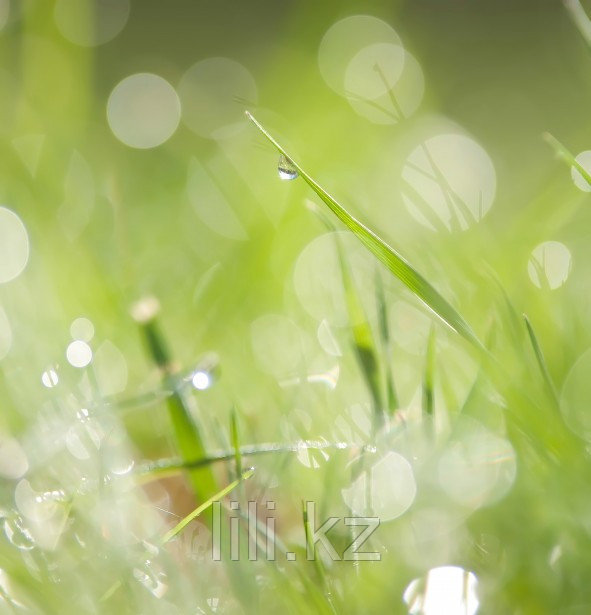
(133, 190)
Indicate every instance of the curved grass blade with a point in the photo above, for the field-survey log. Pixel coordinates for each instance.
(565, 155)
(394, 261)
(179, 527)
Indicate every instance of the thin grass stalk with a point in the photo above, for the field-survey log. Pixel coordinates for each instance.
(186, 431)
(392, 259)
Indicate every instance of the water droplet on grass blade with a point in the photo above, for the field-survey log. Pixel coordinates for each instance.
(286, 168)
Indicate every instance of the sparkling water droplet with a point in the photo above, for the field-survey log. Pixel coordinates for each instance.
(286, 168)
(17, 534)
(201, 380)
(152, 579)
(82, 415)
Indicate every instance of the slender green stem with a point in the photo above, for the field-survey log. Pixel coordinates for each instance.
(214, 498)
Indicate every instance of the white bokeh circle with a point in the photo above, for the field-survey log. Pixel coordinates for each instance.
(449, 182)
(549, 265)
(93, 23)
(584, 159)
(14, 245)
(344, 40)
(143, 110)
(214, 93)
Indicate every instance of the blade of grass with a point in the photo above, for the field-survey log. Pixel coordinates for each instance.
(214, 498)
(540, 359)
(235, 442)
(186, 431)
(164, 467)
(565, 155)
(384, 329)
(311, 547)
(580, 19)
(395, 262)
(363, 342)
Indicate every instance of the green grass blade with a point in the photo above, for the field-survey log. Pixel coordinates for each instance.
(311, 547)
(214, 498)
(565, 155)
(235, 442)
(363, 340)
(580, 18)
(395, 262)
(384, 329)
(186, 432)
(165, 467)
(540, 359)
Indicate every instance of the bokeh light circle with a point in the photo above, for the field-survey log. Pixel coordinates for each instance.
(318, 278)
(13, 460)
(449, 182)
(214, 93)
(93, 23)
(386, 489)
(549, 265)
(584, 159)
(445, 590)
(374, 70)
(14, 245)
(79, 354)
(82, 329)
(398, 102)
(477, 467)
(5, 334)
(50, 378)
(4, 12)
(143, 110)
(344, 40)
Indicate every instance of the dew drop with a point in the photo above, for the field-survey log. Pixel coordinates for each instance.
(18, 534)
(201, 380)
(153, 580)
(286, 168)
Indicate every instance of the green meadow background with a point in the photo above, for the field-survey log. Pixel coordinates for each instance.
(250, 286)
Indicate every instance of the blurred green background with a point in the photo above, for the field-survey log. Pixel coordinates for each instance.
(240, 265)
